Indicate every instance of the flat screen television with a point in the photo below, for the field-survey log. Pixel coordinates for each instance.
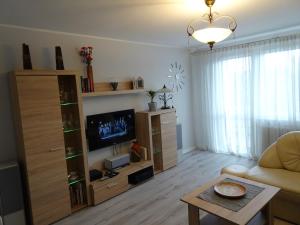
(110, 128)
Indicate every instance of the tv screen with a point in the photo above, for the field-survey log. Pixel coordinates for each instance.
(110, 128)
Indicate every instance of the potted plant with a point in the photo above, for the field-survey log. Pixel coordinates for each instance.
(152, 105)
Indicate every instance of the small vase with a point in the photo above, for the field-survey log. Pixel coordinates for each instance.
(114, 85)
(89, 73)
(152, 106)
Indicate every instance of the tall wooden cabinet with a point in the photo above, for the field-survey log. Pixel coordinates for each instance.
(51, 143)
(157, 132)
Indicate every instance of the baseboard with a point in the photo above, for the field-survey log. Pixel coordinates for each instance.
(186, 150)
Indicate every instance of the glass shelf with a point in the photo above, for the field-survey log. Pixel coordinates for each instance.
(72, 182)
(156, 133)
(156, 152)
(74, 155)
(68, 103)
(70, 130)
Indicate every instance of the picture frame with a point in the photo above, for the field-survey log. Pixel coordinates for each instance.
(138, 83)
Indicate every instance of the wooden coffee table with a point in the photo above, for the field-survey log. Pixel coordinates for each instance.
(257, 211)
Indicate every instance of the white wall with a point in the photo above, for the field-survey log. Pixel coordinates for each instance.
(111, 59)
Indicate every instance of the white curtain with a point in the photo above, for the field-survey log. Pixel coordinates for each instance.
(246, 96)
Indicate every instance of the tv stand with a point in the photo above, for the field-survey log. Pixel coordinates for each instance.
(102, 190)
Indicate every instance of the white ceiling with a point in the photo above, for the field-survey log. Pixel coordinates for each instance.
(160, 22)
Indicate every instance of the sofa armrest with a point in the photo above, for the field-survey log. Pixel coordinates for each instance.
(235, 170)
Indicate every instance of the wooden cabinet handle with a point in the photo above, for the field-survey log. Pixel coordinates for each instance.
(110, 185)
(55, 149)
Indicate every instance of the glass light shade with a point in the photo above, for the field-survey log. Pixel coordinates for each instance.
(164, 90)
(211, 34)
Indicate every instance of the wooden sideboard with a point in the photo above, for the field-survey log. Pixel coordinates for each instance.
(157, 132)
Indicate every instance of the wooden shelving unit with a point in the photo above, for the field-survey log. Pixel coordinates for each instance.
(51, 142)
(111, 93)
(157, 132)
(105, 89)
(72, 124)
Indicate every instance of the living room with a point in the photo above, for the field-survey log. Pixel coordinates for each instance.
(150, 112)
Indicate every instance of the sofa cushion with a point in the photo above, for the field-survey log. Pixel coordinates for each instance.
(284, 179)
(235, 170)
(288, 149)
(270, 158)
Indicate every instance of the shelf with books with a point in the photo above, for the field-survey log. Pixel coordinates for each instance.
(75, 151)
(77, 196)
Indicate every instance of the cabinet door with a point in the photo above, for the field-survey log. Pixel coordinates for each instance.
(168, 139)
(109, 188)
(44, 148)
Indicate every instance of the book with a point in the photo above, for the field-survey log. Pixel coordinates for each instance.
(82, 84)
(80, 193)
(86, 85)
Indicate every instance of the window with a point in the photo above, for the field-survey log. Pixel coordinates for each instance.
(278, 85)
(246, 96)
(253, 90)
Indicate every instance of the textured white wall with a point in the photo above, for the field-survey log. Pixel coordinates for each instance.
(122, 60)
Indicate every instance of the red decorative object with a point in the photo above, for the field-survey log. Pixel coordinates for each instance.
(136, 147)
(87, 58)
(86, 54)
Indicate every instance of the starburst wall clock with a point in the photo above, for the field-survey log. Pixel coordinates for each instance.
(176, 77)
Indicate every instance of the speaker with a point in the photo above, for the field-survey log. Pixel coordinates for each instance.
(116, 161)
(11, 197)
(141, 176)
(95, 175)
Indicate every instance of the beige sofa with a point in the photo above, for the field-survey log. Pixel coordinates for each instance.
(278, 166)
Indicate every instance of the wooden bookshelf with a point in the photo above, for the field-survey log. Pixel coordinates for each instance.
(157, 132)
(105, 89)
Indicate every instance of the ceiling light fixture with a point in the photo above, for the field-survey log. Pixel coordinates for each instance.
(217, 29)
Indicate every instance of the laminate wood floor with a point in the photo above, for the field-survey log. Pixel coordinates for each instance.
(157, 202)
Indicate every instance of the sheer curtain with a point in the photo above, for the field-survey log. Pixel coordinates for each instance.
(246, 96)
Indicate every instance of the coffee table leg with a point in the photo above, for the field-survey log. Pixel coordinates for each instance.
(193, 215)
(268, 214)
